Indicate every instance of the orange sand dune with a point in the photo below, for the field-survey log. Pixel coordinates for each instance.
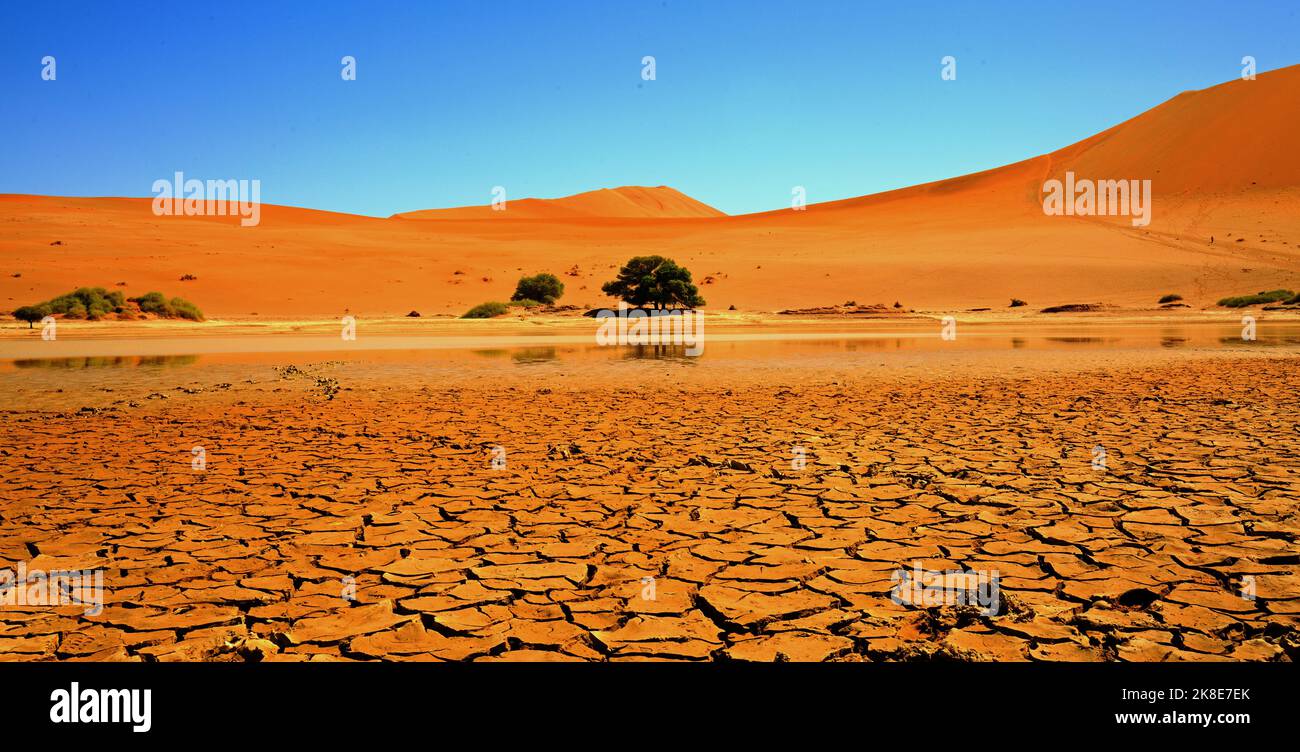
(1221, 161)
(627, 201)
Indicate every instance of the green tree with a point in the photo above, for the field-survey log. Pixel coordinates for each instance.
(31, 314)
(544, 288)
(654, 280)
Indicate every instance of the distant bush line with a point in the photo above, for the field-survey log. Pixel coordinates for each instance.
(1270, 296)
(95, 303)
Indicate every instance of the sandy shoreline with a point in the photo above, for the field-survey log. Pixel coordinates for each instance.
(99, 339)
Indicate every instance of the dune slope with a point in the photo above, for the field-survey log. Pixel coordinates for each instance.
(1225, 219)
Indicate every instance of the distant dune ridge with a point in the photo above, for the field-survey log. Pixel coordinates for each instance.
(627, 201)
(1222, 162)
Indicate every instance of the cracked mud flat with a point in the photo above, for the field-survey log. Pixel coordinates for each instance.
(330, 471)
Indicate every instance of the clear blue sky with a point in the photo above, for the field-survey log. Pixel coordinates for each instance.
(545, 97)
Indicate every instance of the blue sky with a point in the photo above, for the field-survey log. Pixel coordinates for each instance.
(546, 97)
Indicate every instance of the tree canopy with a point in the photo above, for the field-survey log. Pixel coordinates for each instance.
(544, 288)
(31, 314)
(654, 281)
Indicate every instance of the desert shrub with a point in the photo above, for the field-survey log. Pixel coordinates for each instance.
(1172, 297)
(544, 288)
(87, 302)
(525, 303)
(1017, 302)
(1075, 308)
(1270, 296)
(485, 311)
(184, 309)
(95, 303)
(153, 302)
(158, 304)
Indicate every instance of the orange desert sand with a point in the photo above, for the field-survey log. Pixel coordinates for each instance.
(650, 505)
(1221, 162)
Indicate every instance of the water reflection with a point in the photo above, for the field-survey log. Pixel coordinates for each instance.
(534, 354)
(659, 352)
(115, 361)
(522, 354)
(742, 345)
(1262, 339)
